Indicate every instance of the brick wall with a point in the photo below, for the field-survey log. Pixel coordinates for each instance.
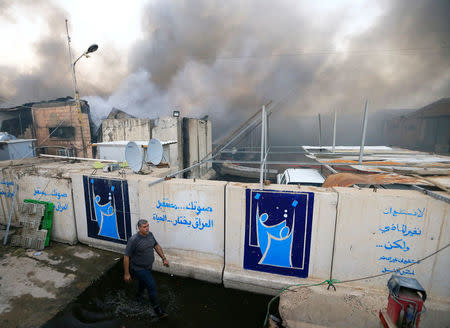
(63, 116)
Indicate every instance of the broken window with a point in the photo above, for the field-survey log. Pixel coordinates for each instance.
(62, 132)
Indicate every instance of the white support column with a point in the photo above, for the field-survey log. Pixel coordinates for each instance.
(263, 146)
(320, 133)
(334, 131)
(363, 136)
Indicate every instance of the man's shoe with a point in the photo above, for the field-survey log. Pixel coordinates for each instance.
(160, 312)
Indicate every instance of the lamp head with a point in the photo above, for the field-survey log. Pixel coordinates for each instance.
(92, 48)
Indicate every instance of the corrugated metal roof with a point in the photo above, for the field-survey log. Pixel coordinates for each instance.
(350, 179)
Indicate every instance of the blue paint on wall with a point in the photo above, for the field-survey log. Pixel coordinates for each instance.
(278, 231)
(107, 209)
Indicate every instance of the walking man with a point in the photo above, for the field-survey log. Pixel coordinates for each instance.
(138, 261)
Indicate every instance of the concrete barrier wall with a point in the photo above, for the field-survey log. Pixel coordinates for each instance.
(185, 216)
(49, 189)
(187, 219)
(260, 278)
(206, 227)
(117, 205)
(382, 231)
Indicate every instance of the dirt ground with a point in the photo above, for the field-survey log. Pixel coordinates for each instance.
(347, 307)
(36, 285)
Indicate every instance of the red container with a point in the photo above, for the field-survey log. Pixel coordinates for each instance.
(406, 308)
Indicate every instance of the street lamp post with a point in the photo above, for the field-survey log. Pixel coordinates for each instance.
(91, 49)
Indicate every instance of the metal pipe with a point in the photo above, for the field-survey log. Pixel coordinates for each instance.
(266, 141)
(334, 131)
(263, 171)
(70, 61)
(266, 144)
(433, 194)
(319, 163)
(263, 147)
(10, 215)
(81, 158)
(75, 91)
(363, 136)
(182, 171)
(320, 133)
(331, 169)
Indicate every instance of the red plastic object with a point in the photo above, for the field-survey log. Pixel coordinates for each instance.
(408, 303)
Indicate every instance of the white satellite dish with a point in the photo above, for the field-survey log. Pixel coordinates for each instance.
(154, 151)
(133, 156)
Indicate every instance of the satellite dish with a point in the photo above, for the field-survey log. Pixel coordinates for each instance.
(133, 156)
(154, 151)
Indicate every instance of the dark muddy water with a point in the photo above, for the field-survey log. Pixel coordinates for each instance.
(109, 302)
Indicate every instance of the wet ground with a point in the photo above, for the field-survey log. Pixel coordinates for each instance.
(189, 303)
(36, 285)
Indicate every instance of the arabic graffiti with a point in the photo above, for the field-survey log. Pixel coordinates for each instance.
(400, 272)
(7, 193)
(393, 259)
(191, 206)
(194, 223)
(411, 229)
(400, 244)
(55, 193)
(418, 213)
(402, 229)
(183, 217)
(278, 232)
(61, 207)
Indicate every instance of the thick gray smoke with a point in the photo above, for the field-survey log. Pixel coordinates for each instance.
(226, 58)
(51, 75)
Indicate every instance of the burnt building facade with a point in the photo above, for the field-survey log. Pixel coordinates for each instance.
(427, 129)
(57, 125)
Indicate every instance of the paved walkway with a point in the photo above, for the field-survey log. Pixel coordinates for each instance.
(347, 307)
(36, 285)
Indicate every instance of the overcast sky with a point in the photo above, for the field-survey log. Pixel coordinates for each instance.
(226, 58)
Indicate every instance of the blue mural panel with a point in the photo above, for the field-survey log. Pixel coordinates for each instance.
(278, 231)
(107, 209)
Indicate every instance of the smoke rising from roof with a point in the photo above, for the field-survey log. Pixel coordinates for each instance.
(226, 59)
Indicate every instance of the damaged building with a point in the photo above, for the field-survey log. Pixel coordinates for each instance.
(187, 140)
(56, 125)
(426, 129)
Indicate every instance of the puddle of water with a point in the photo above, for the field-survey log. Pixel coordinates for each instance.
(189, 303)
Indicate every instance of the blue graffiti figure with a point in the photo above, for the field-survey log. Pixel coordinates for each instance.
(106, 219)
(275, 242)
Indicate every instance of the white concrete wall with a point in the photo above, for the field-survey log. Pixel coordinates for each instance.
(59, 192)
(200, 144)
(81, 217)
(187, 218)
(131, 129)
(193, 146)
(236, 276)
(49, 189)
(192, 238)
(167, 129)
(199, 244)
(8, 181)
(367, 231)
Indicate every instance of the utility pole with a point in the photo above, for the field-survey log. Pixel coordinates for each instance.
(363, 134)
(320, 134)
(92, 48)
(334, 130)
